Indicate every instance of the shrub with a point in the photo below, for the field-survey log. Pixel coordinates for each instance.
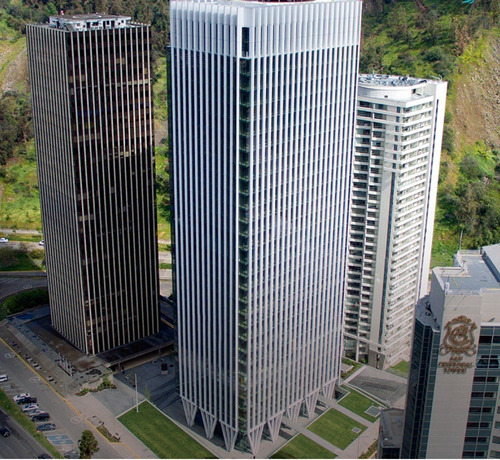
(436, 53)
(23, 300)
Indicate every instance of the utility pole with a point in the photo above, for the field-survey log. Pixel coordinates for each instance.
(136, 395)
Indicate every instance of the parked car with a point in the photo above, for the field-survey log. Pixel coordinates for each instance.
(3, 377)
(34, 412)
(44, 456)
(42, 417)
(4, 431)
(29, 407)
(73, 453)
(27, 400)
(42, 243)
(4, 240)
(20, 396)
(46, 427)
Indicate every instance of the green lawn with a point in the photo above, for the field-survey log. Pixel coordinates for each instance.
(336, 428)
(303, 447)
(165, 266)
(161, 435)
(358, 403)
(20, 260)
(16, 303)
(402, 366)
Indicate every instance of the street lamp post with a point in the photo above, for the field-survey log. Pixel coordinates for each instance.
(136, 395)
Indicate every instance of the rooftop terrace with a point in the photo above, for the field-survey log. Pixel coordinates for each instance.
(94, 21)
(474, 272)
(389, 80)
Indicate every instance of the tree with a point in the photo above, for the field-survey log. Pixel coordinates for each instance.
(87, 444)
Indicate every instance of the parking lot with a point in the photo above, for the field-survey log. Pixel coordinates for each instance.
(69, 422)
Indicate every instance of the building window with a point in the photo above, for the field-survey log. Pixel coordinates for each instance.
(487, 361)
(476, 439)
(485, 410)
(245, 41)
(480, 394)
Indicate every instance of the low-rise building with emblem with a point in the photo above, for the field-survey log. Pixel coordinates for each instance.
(453, 387)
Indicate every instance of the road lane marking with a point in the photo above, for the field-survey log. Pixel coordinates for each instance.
(67, 402)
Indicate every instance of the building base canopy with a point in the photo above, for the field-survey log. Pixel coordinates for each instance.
(230, 435)
(189, 410)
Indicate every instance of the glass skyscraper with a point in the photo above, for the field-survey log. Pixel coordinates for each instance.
(262, 117)
(90, 78)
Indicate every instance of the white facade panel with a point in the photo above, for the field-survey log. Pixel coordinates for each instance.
(262, 146)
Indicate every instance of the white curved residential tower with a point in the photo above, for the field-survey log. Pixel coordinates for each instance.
(399, 129)
(262, 118)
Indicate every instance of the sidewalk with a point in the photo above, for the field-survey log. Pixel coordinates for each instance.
(362, 442)
(129, 446)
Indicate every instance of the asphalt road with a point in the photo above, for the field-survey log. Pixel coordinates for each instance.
(68, 421)
(20, 444)
(10, 285)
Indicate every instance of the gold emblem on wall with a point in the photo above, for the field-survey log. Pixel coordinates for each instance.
(459, 338)
(459, 341)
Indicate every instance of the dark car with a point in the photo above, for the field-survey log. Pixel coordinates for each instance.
(44, 456)
(46, 427)
(4, 432)
(73, 453)
(27, 400)
(43, 417)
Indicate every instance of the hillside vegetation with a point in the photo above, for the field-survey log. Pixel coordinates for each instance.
(424, 38)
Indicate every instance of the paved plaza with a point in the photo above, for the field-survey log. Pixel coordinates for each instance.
(388, 388)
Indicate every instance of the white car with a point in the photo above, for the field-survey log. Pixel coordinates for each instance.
(42, 243)
(3, 377)
(29, 407)
(21, 396)
(4, 240)
(34, 412)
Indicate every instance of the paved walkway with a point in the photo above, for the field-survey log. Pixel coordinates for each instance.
(95, 412)
(362, 443)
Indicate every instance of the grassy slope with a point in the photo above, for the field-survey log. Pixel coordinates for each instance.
(20, 207)
(472, 109)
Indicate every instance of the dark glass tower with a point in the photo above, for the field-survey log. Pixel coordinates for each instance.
(92, 112)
